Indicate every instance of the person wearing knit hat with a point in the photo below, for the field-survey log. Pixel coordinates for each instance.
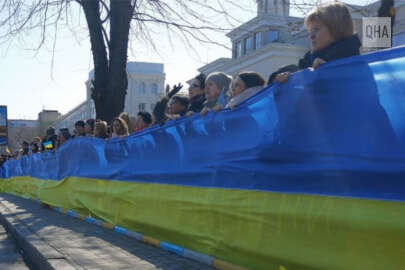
(216, 88)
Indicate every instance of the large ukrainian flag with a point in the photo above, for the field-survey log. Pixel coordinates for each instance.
(307, 175)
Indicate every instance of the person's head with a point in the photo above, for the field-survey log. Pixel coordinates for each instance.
(109, 130)
(178, 105)
(79, 127)
(35, 146)
(63, 136)
(215, 83)
(143, 120)
(245, 80)
(120, 127)
(100, 129)
(125, 116)
(89, 126)
(25, 145)
(327, 24)
(197, 86)
(50, 131)
(289, 68)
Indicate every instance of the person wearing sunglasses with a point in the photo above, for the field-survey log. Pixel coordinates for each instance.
(196, 94)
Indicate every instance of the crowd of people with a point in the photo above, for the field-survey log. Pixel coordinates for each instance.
(330, 29)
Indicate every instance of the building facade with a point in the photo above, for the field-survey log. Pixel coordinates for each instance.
(145, 87)
(21, 130)
(46, 118)
(263, 44)
(83, 111)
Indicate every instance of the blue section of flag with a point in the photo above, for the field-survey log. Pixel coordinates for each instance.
(338, 131)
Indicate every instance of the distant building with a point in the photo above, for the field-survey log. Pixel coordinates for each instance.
(21, 130)
(145, 88)
(46, 118)
(83, 111)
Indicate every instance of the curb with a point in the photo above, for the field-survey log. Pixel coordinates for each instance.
(36, 252)
(184, 252)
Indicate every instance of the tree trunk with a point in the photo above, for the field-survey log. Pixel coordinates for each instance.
(91, 10)
(120, 18)
(110, 77)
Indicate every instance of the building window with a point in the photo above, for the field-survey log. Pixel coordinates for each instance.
(258, 40)
(142, 88)
(155, 89)
(238, 49)
(152, 106)
(248, 45)
(142, 107)
(271, 36)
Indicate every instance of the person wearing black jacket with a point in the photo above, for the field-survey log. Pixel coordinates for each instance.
(80, 128)
(50, 140)
(160, 110)
(64, 136)
(25, 148)
(339, 49)
(196, 94)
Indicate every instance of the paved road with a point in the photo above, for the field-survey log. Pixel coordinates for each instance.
(86, 246)
(10, 258)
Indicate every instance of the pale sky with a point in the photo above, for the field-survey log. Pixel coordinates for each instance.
(27, 84)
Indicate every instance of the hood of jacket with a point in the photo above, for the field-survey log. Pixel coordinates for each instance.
(235, 101)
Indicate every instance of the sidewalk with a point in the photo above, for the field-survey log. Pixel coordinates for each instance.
(54, 241)
(10, 258)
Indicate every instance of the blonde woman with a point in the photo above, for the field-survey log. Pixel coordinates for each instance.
(330, 29)
(100, 129)
(120, 128)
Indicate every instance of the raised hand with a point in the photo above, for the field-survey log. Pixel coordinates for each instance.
(175, 90)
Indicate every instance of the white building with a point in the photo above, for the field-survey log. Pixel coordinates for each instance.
(145, 88)
(263, 44)
(274, 38)
(83, 111)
